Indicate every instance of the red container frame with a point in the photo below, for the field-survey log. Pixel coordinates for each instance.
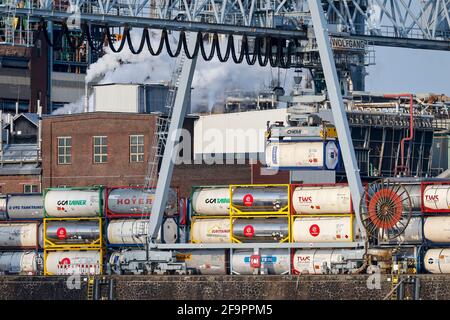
(36, 248)
(110, 215)
(292, 189)
(425, 184)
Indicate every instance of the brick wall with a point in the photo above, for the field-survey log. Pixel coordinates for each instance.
(14, 184)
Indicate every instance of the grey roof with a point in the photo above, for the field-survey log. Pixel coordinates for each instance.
(17, 169)
(16, 153)
(32, 117)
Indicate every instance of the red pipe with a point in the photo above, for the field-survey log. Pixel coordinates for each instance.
(411, 122)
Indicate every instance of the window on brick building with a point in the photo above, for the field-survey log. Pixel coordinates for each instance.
(136, 148)
(64, 150)
(30, 188)
(100, 149)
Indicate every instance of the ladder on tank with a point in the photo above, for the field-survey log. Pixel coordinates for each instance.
(90, 288)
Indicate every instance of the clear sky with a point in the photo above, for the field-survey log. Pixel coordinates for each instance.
(410, 70)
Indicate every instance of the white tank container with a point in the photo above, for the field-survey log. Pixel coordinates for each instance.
(322, 229)
(211, 201)
(303, 155)
(206, 262)
(25, 206)
(3, 215)
(437, 260)
(273, 261)
(20, 235)
(437, 229)
(412, 233)
(436, 197)
(18, 262)
(322, 199)
(135, 231)
(210, 230)
(72, 203)
(73, 262)
(313, 261)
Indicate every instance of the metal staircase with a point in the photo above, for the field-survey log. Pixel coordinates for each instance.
(90, 288)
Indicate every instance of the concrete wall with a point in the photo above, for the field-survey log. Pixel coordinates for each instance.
(328, 287)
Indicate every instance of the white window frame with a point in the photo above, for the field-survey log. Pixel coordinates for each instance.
(137, 156)
(67, 153)
(103, 156)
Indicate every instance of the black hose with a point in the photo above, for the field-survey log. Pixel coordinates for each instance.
(227, 52)
(94, 47)
(185, 45)
(179, 46)
(130, 43)
(160, 46)
(122, 42)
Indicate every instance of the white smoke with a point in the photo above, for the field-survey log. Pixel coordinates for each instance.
(374, 14)
(211, 79)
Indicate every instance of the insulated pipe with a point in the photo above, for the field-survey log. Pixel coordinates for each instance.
(411, 123)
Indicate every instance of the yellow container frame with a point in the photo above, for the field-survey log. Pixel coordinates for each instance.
(352, 221)
(46, 252)
(284, 240)
(283, 211)
(96, 244)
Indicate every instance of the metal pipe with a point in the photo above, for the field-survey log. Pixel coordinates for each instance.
(411, 125)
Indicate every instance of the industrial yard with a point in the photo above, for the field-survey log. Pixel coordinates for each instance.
(223, 150)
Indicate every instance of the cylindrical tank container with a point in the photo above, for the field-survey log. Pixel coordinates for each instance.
(414, 192)
(268, 199)
(322, 200)
(319, 155)
(135, 231)
(211, 201)
(128, 201)
(25, 206)
(326, 261)
(19, 235)
(19, 262)
(64, 203)
(261, 229)
(210, 230)
(273, 261)
(436, 198)
(322, 229)
(437, 229)
(206, 262)
(73, 232)
(411, 234)
(437, 260)
(73, 262)
(3, 215)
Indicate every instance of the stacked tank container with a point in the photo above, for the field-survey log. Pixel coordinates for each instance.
(73, 231)
(21, 233)
(436, 227)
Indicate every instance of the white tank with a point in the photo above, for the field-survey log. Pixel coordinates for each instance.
(19, 235)
(322, 229)
(437, 229)
(211, 201)
(273, 261)
(18, 262)
(303, 154)
(436, 198)
(72, 203)
(317, 261)
(325, 199)
(25, 206)
(206, 262)
(437, 260)
(210, 230)
(3, 215)
(73, 262)
(135, 231)
(412, 233)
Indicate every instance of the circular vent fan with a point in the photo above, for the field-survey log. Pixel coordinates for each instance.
(385, 209)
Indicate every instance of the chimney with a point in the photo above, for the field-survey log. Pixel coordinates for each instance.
(86, 97)
(17, 108)
(11, 123)
(39, 139)
(1, 135)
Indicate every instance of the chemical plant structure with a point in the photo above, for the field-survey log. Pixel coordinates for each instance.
(367, 198)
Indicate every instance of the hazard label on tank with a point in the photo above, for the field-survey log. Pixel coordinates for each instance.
(249, 231)
(248, 200)
(314, 230)
(65, 261)
(61, 233)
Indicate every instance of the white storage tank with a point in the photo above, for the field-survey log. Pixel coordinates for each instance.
(136, 201)
(322, 200)
(273, 261)
(19, 262)
(73, 262)
(322, 229)
(135, 231)
(205, 262)
(19, 235)
(3, 215)
(323, 155)
(437, 260)
(437, 229)
(412, 233)
(210, 230)
(323, 261)
(73, 203)
(436, 197)
(25, 206)
(211, 201)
